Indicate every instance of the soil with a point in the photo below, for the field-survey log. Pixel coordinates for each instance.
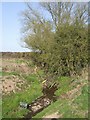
(11, 66)
(54, 115)
(11, 84)
(73, 93)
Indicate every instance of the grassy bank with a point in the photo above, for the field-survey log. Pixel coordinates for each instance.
(72, 96)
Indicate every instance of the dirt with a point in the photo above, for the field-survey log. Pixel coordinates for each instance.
(40, 103)
(11, 84)
(14, 83)
(71, 95)
(54, 115)
(11, 66)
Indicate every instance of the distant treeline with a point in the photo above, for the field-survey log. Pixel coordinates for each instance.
(16, 54)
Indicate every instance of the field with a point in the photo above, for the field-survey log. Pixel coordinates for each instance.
(21, 82)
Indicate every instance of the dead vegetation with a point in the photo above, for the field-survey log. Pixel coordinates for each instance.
(54, 115)
(11, 84)
(12, 66)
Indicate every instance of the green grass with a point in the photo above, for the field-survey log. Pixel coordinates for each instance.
(11, 102)
(19, 61)
(50, 109)
(79, 106)
(68, 109)
(0, 73)
(64, 85)
(30, 78)
(0, 108)
(8, 73)
(83, 98)
(30, 64)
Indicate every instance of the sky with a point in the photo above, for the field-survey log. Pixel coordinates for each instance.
(10, 12)
(11, 27)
